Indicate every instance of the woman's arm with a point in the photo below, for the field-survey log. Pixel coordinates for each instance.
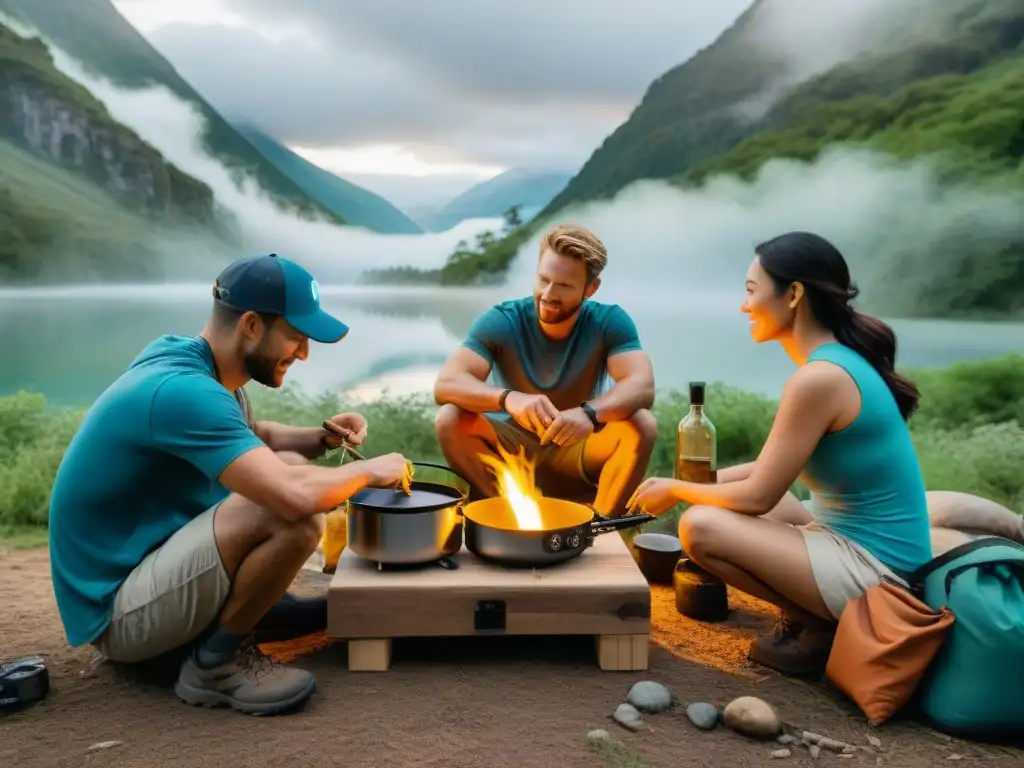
(808, 408)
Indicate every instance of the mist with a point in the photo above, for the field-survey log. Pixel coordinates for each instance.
(807, 38)
(898, 227)
(336, 254)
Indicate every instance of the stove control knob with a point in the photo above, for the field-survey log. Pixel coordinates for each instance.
(573, 541)
(555, 542)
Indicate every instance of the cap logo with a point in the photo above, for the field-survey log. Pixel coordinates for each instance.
(314, 289)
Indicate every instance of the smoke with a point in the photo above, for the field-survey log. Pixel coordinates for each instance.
(806, 38)
(898, 226)
(336, 254)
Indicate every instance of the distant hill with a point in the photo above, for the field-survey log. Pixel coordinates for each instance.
(356, 205)
(946, 81)
(530, 188)
(105, 43)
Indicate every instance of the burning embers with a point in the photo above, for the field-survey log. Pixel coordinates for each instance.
(517, 485)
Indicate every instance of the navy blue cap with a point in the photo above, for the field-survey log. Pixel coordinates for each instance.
(274, 285)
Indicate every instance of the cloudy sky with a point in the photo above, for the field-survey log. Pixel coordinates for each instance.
(447, 90)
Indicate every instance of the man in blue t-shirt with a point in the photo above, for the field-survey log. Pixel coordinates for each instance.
(550, 357)
(177, 520)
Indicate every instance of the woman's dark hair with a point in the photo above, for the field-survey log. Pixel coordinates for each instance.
(803, 257)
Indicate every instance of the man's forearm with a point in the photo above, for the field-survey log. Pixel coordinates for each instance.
(306, 441)
(624, 399)
(321, 489)
(468, 393)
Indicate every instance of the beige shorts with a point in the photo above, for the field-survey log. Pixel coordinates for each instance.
(175, 593)
(842, 568)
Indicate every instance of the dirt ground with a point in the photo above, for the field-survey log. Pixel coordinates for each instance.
(452, 703)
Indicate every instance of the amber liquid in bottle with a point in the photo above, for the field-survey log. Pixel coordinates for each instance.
(696, 442)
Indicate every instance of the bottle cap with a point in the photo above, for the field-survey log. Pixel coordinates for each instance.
(697, 392)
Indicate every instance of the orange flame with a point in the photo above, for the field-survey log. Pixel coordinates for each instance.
(515, 478)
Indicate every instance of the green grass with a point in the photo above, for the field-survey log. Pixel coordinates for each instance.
(969, 433)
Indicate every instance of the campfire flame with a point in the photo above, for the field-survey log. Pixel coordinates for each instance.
(516, 484)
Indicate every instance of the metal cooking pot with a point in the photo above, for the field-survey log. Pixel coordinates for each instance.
(388, 526)
(493, 534)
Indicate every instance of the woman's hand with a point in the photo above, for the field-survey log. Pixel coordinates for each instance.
(654, 496)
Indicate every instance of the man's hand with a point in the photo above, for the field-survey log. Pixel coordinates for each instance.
(387, 471)
(533, 412)
(352, 425)
(568, 427)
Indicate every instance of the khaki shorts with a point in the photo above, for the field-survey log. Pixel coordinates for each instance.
(842, 568)
(174, 594)
(559, 470)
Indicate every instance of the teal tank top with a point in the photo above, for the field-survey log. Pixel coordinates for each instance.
(865, 480)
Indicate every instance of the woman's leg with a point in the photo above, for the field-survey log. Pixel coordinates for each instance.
(766, 558)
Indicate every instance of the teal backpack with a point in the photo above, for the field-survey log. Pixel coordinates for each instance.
(974, 687)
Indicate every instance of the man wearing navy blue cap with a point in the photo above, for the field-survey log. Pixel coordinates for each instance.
(177, 520)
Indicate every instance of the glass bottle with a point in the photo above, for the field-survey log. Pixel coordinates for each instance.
(696, 442)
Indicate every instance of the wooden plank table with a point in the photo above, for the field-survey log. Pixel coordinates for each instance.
(601, 593)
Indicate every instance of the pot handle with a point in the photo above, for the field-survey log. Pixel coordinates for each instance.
(441, 466)
(607, 525)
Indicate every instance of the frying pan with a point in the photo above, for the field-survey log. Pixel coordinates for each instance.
(492, 533)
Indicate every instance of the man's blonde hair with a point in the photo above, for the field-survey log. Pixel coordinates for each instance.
(578, 243)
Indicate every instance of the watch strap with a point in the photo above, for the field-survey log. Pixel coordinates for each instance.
(502, 398)
(591, 413)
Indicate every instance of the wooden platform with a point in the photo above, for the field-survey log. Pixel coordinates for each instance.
(600, 593)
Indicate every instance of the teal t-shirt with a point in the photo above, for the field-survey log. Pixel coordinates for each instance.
(570, 370)
(145, 461)
(865, 480)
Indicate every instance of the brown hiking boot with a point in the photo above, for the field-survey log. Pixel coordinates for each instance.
(250, 682)
(795, 647)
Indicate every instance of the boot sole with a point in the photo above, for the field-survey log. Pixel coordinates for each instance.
(199, 697)
(809, 671)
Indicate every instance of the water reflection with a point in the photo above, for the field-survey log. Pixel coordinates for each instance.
(71, 343)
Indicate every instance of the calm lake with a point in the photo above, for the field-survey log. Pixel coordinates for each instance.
(70, 343)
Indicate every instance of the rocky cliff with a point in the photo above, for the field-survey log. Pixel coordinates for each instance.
(55, 119)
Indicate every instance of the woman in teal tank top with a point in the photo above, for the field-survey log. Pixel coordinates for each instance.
(841, 428)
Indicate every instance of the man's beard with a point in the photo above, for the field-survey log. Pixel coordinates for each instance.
(262, 369)
(563, 313)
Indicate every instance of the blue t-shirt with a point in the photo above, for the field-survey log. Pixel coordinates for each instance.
(570, 370)
(865, 480)
(145, 461)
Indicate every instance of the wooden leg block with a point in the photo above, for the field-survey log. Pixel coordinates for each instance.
(622, 652)
(369, 655)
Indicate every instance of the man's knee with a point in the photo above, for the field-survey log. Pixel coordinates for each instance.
(638, 433)
(241, 525)
(453, 423)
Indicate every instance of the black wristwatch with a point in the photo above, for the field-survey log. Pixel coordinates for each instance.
(591, 414)
(502, 398)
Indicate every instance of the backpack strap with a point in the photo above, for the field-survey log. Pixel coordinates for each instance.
(922, 573)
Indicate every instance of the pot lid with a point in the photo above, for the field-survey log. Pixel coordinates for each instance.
(425, 497)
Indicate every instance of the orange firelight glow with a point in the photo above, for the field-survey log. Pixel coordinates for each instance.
(515, 477)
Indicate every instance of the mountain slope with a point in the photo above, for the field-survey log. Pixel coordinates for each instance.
(948, 83)
(356, 205)
(529, 188)
(80, 194)
(98, 36)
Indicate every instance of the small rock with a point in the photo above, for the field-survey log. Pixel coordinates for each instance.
(780, 753)
(596, 737)
(845, 756)
(750, 716)
(954, 756)
(648, 696)
(849, 749)
(703, 715)
(874, 741)
(785, 738)
(815, 750)
(628, 716)
(103, 745)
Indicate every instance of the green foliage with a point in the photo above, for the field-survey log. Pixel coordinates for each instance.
(969, 433)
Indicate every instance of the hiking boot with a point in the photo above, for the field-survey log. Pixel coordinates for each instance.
(795, 648)
(250, 682)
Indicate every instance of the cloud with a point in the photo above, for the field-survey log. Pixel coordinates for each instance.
(466, 80)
